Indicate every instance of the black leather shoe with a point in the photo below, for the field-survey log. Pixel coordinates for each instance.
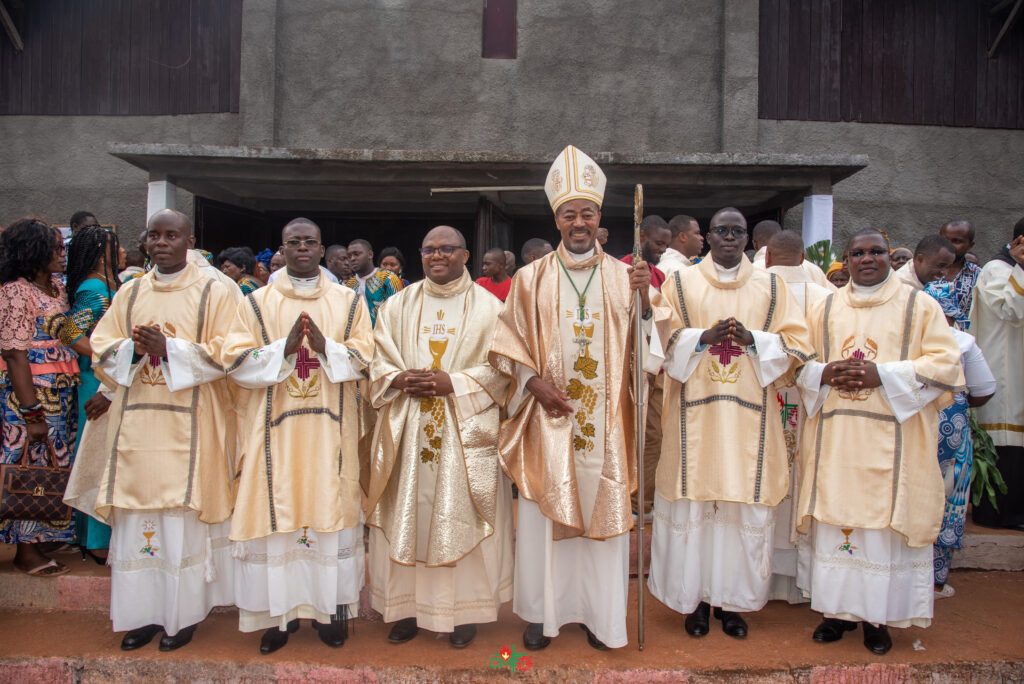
(533, 637)
(137, 638)
(832, 629)
(170, 643)
(697, 622)
(403, 631)
(462, 636)
(333, 633)
(732, 623)
(877, 639)
(593, 640)
(274, 638)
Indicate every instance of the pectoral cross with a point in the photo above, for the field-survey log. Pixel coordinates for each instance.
(304, 363)
(725, 351)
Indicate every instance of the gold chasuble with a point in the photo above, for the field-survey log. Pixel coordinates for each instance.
(286, 483)
(722, 435)
(580, 469)
(434, 475)
(168, 449)
(859, 466)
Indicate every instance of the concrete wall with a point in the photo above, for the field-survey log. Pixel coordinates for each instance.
(53, 166)
(407, 74)
(918, 177)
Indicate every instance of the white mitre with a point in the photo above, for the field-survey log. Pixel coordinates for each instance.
(574, 175)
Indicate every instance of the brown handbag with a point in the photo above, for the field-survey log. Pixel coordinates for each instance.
(30, 492)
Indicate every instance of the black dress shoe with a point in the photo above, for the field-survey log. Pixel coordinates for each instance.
(697, 622)
(832, 629)
(274, 638)
(462, 636)
(333, 633)
(169, 643)
(732, 623)
(403, 631)
(137, 638)
(593, 640)
(533, 637)
(877, 639)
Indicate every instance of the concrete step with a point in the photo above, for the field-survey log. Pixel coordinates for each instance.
(975, 637)
(987, 548)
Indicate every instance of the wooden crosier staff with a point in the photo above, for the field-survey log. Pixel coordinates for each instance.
(638, 394)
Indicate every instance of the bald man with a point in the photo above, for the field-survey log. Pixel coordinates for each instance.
(167, 488)
(440, 505)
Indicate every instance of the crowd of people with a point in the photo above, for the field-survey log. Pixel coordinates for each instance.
(236, 423)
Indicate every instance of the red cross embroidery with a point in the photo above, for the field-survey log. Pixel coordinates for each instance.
(725, 351)
(304, 363)
(859, 355)
(154, 361)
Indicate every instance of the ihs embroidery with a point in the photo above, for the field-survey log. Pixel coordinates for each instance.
(150, 373)
(724, 370)
(305, 384)
(860, 350)
(439, 335)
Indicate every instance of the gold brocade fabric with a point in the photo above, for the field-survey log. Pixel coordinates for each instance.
(538, 450)
(300, 463)
(464, 456)
(859, 467)
(722, 438)
(169, 449)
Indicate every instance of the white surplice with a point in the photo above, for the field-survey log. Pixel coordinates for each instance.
(714, 551)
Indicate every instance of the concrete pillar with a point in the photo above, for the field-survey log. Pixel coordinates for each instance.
(740, 22)
(161, 196)
(257, 103)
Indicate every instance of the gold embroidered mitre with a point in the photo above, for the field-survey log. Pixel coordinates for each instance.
(574, 175)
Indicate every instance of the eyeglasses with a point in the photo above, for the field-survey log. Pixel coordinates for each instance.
(308, 242)
(861, 253)
(735, 231)
(445, 250)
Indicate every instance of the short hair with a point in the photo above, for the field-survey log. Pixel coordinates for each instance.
(725, 210)
(496, 251)
(299, 221)
(960, 223)
(533, 245)
(334, 248)
(79, 216)
(165, 214)
(1018, 229)
(680, 222)
(786, 242)
(362, 243)
(764, 230)
(26, 247)
(134, 257)
(864, 232)
(240, 257)
(933, 244)
(653, 222)
(393, 252)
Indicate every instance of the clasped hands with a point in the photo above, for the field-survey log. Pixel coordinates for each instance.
(305, 329)
(851, 375)
(423, 384)
(149, 339)
(727, 329)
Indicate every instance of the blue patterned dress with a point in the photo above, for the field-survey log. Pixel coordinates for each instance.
(30, 321)
(956, 454)
(91, 301)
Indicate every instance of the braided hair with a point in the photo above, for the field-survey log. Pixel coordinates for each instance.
(27, 247)
(87, 246)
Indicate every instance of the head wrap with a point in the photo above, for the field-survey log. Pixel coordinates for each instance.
(836, 266)
(264, 257)
(942, 292)
(574, 175)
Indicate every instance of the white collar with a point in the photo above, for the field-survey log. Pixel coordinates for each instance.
(166, 277)
(583, 256)
(727, 274)
(866, 290)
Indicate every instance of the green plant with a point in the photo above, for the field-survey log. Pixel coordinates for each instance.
(821, 254)
(985, 475)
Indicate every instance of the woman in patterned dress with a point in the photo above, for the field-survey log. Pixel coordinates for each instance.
(94, 257)
(37, 376)
(238, 263)
(956, 450)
